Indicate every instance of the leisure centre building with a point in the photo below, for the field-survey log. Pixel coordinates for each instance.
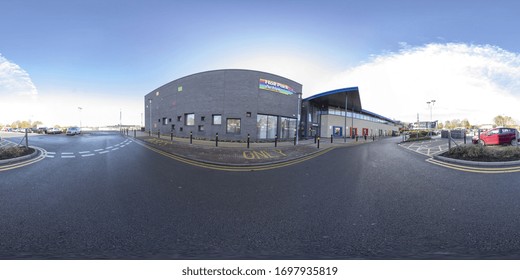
(235, 104)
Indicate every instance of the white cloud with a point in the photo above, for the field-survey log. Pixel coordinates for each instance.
(14, 80)
(467, 81)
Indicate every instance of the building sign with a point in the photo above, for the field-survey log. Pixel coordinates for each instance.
(276, 87)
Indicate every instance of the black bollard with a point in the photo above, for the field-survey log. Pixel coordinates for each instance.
(276, 140)
(216, 140)
(171, 136)
(135, 133)
(315, 138)
(159, 134)
(191, 137)
(248, 140)
(318, 142)
(331, 138)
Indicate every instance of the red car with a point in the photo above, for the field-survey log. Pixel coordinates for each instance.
(497, 136)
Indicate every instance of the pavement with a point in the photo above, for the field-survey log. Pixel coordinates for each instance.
(237, 153)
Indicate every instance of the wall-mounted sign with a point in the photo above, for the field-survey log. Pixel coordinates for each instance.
(276, 87)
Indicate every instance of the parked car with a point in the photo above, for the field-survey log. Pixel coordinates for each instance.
(497, 136)
(53, 130)
(73, 130)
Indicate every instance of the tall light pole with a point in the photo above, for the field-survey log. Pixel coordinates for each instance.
(150, 109)
(430, 105)
(79, 108)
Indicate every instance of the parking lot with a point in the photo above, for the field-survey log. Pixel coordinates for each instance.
(436, 145)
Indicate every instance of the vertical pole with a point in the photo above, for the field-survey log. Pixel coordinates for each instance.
(26, 139)
(248, 140)
(298, 119)
(331, 138)
(191, 137)
(449, 139)
(216, 140)
(276, 140)
(318, 142)
(171, 136)
(345, 132)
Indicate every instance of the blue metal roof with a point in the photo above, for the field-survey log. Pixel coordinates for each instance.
(336, 98)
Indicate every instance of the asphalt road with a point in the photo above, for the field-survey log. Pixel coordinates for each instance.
(370, 201)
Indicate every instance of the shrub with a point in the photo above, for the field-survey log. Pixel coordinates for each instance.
(14, 152)
(484, 153)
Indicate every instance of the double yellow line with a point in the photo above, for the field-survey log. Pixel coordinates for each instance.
(42, 155)
(485, 170)
(219, 167)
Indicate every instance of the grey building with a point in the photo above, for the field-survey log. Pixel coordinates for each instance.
(233, 103)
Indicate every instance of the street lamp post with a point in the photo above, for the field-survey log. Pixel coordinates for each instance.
(79, 108)
(430, 105)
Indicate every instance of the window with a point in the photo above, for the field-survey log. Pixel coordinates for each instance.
(179, 118)
(233, 126)
(201, 128)
(266, 126)
(164, 121)
(202, 118)
(179, 88)
(288, 127)
(248, 114)
(217, 119)
(190, 119)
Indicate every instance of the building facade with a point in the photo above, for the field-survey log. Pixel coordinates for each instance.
(232, 103)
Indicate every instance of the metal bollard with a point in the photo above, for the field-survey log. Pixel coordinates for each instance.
(191, 137)
(294, 140)
(331, 138)
(248, 140)
(357, 138)
(159, 134)
(315, 138)
(150, 133)
(276, 140)
(373, 138)
(216, 140)
(365, 137)
(464, 137)
(318, 142)
(135, 133)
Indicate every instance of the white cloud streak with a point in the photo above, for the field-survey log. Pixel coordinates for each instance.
(467, 81)
(14, 80)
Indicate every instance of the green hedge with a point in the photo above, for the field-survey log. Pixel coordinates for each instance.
(13, 152)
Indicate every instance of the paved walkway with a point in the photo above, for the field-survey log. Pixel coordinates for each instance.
(237, 153)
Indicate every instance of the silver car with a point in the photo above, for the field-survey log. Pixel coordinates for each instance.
(73, 130)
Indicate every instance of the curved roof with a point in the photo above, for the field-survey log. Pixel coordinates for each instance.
(337, 98)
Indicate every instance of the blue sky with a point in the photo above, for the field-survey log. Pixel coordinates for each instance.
(106, 55)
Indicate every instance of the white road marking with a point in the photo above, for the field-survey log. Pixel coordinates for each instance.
(98, 150)
(49, 156)
(84, 152)
(109, 147)
(67, 153)
(68, 156)
(51, 153)
(115, 149)
(104, 152)
(87, 155)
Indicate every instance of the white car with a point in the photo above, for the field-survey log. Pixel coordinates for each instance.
(73, 130)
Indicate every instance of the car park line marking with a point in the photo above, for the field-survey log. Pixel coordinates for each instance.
(84, 152)
(67, 153)
(489, 170)
(110, 147)
(114, 149)
(104, 152)
(51, 153)
(67, 156)
(49, 156)
(98, 150)
(88, 155)
(237, 168)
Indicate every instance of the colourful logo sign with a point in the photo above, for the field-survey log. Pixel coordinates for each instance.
(276, 87)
